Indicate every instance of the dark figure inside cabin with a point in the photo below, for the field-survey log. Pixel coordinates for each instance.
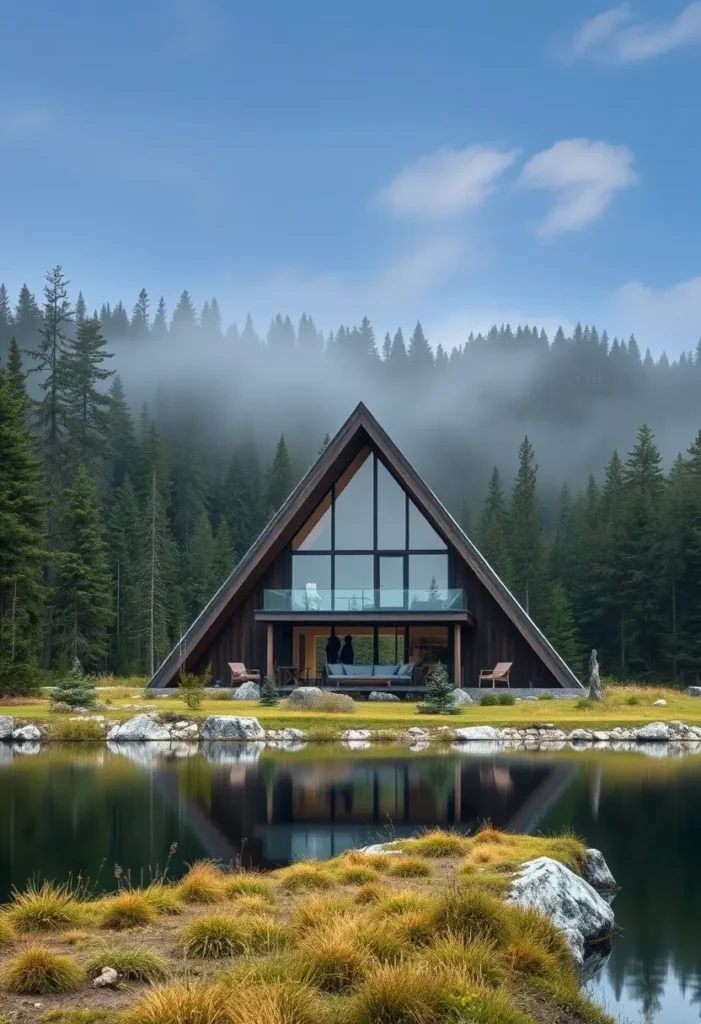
(347, 651)
(333, 648)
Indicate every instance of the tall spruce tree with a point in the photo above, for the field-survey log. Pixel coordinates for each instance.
(87, 413)
(494, 529)
(280, 479)
(526, 537)
(157, 585)
(121, 450)
(124, 549)
(199, 566)
(21, 545)
(83, 599)
(560, 629)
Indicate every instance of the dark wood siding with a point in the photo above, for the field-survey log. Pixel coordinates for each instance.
(495, 638)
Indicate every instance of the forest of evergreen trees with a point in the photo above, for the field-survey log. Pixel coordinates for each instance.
(141, 454)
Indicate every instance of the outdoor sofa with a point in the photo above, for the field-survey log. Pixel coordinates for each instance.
(345, 675)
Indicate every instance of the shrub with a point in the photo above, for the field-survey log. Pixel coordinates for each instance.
(354, 874)
(333, 703)
(40, 971)
(49, 908)
(130, 909)
(247, 884)
(546, 696)
(75, 731)
(471, 914)
(204, 883)
(278, 967)
(255, 905)
(192, 688)
(181, 1004)
(280, 1002)
(133, 964)
(436, 843)
(332, 956)
(489, 700)
(218, 694)
(404, 993)
(269, 695)
(439, 699)
(506, 700)
(373, 892)
(216, 937)
(165, 899)
(584, 703)
(408, 867)
(59, 708)
(305, 875)
(412, 928)
(75, 689)
(633, 700)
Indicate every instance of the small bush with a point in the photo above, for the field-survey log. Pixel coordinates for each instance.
(356, 875)
(130, 909)
(436, 843)
(247, 884)
(133, 964)
(506, 700)
(191, 689)
(7, 932)
(216, 937)
(373, 892)
(181, 1004)
(75, 689)
(204, 883)
(40, 971)
(546, 696)
(165, 899)
(79, 730)
(408, 867)
(439, 699)
(332, 957)
(305, 875)
(281, 1002)
(48, 908)
(489, 700)
(59, 708)
(584, 704)
(255, 905)
(404, 993)
(471, 914)
(218, 694)
(269, 695)
(633, 700)
(333, 703)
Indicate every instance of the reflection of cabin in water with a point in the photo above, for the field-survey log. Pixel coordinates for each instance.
(318, 808)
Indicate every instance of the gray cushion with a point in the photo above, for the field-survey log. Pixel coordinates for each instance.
(384, 670)
(405, 670)
(335, 670)
(358, 670)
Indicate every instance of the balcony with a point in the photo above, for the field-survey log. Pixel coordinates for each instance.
(364, 602)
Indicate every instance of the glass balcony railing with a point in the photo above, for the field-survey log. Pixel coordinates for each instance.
(361, 600)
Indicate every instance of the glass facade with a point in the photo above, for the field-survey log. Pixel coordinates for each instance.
(353, 506)
(391, 512)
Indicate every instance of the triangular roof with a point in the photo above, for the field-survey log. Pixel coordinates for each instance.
(360, 428)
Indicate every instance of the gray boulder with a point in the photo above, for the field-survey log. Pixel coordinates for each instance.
(460, 697)
(653, 731)
(26, 734)
(382, 695)
(303, 696)
(661, 703)
(138, 729)
(247, 691)
(385, 848)
(694, 691)
(571, 903)
(232, 753)
(286, 735)
(7, 727)
(107, 978)
(477, 732)
(596, 871)
(580, 734)
(231, 727)
(355, 734)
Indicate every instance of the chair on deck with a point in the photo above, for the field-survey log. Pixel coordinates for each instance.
(240, 674)
(498, 674)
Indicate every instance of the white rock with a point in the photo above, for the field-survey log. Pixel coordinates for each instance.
(417, 733)
(460, 697)
(382, 695)
(601, 737)
(286, 735)
(694, 691)
(28, 748)
(138, 729)
(653, 731)
(106, 979)
(384, 848)
(418, 746)
(571, 903)
(7, 727)
(556, 735)
(303, 695)
(355, 734)
(246, 691)
(232, 753)
(660, 703)
(580, 734)
(231, 727)
(26, 734)
(356, 744)
(597, 872)
(477, 732)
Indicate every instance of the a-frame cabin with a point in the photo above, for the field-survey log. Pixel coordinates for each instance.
(362, 547)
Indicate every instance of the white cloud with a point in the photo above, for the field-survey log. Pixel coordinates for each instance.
(446, 184)
(616, 36)
(585, 174)
(667, 318)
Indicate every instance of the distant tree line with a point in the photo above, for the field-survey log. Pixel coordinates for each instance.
(116, 529)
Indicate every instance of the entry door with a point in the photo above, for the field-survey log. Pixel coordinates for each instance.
(391, 581)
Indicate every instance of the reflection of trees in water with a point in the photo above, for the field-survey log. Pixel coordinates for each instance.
(649, 828)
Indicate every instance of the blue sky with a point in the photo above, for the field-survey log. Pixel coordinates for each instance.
(461, 162)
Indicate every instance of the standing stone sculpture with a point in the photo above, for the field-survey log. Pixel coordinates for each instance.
(596, 689)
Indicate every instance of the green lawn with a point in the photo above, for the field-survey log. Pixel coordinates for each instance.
(617, 709)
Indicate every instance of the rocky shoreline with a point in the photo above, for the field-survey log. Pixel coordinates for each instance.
(655, 739)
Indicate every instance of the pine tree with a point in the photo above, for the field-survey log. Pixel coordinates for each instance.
(75, 689)
(439, 698)
(124, 548)
(199, 566)
(560, 629)
(140, 316)
(87, 415)
(420, 354)
(526, 537)
(269, 695)
(224, 556)
(80, 310)
(493, 532)
(21, 545)
(27, 320)
(83, 599)
(6, 323)
(280, 481)
(16, 377)
(184, 318)
(159, 330)
(120, 449)
(158, 595)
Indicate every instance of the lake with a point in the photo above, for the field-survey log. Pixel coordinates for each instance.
(88, 810)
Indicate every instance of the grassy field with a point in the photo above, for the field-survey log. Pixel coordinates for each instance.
(424, 937)
(624, 706)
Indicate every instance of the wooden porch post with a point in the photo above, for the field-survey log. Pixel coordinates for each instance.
(269, 658)
(457, 654)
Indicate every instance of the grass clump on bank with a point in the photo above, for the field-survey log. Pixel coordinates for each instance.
(133, 964)
(40, 971)
(204, 883)
(44, 908)
(66, 730)
(130, 909)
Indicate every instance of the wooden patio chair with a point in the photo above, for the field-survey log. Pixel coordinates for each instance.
(498, 674)
(240, 674)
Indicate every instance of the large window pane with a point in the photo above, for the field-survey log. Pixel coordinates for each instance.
(428, 579)
(354, 583)
(315, 535)
(421, 533)
(354, 518)
(391, 511)
(311, 582)
(392, 581)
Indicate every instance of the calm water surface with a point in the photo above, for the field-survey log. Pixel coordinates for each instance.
(79, 809)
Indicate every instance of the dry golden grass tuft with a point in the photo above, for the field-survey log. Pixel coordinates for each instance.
(403, 993)
(318, 911)
(373, 892)
(133, 964)
(474, 915)
(333, 959)
(256, 905)
(181, 1004)
(408, 867)
(44, 908)
(355, 875)
(436, 843)
(61, 1016)
(165, 899)
(479, 961)
(305, 875)
(491, 848)
(75, 937)
(279, 1002)
(215, 937)
(403, 901)
(129, 909)
(247, 884)
(7, 932)
(40, 971)
(204, 883)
